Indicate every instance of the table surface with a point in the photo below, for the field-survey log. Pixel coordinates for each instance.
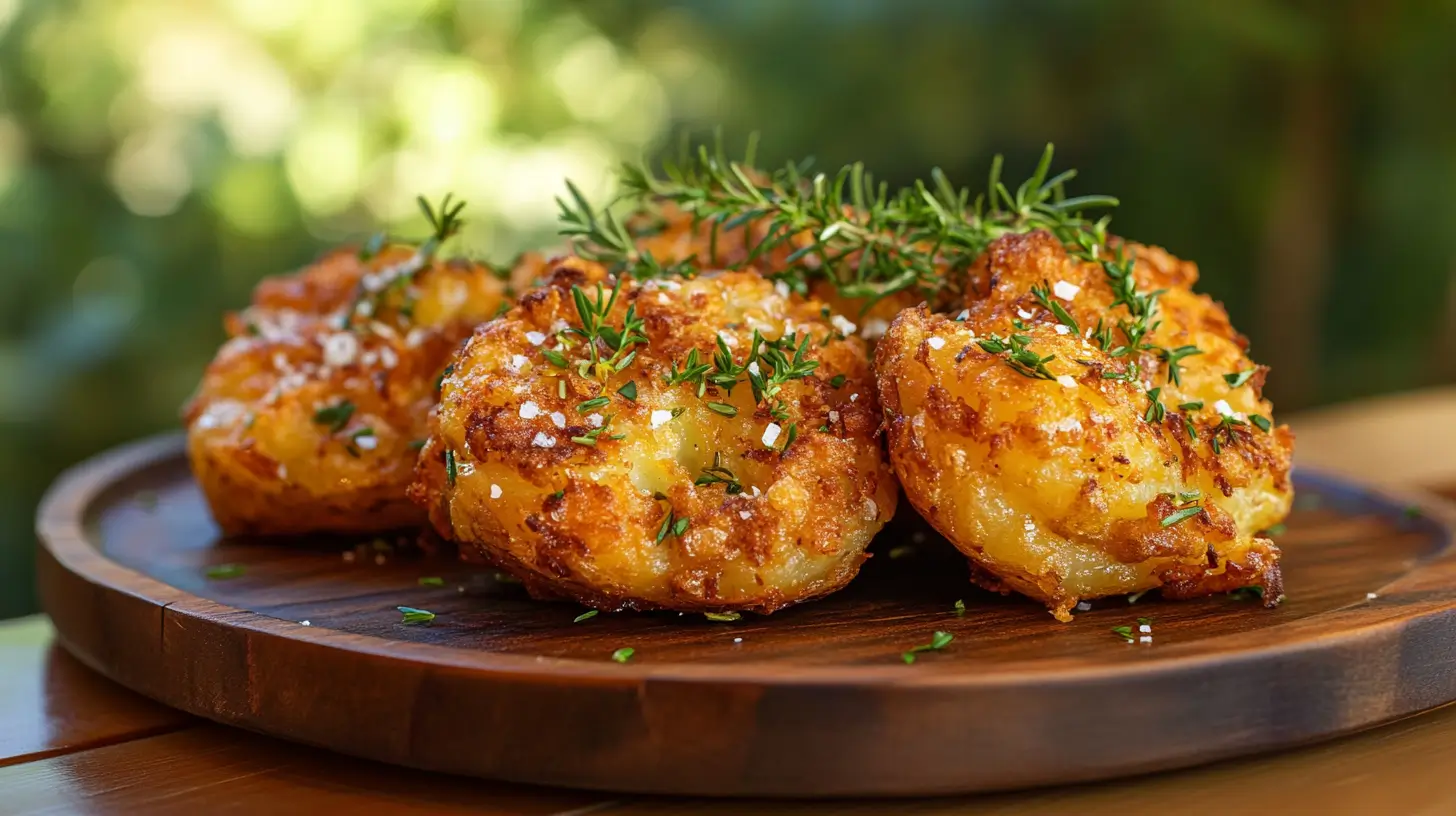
(71, 740)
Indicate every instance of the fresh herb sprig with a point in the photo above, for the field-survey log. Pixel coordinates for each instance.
(720, 474)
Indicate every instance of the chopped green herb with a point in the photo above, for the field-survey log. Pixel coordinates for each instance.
(671, 525)
(561, 389)
(554, 357)
(1155, 412)
(1238, 378)
(1172, 356)
(335, 416)
(900, 551)
(960, 609)
(432, 581)
(623, 654)
(592, 404)
(1190, 406)
(1410, 511)
(1043, 296)
(629, 390)
(223, 572)
(938, 641)
(1124, 632)
(413, 616)
(1181, 515)
(452, 470)
(587, 615)
(723, 408)
(1021, 359)
(837, 381)
(723, 617)
(719, 474)
(1261, 422)
(1191, 495)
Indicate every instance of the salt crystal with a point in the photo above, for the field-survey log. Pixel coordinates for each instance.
(530, 410)
(843, 325)
(340, 349)
(541, 440)
(495, 491)
(771, 434)
(558, 419)
(535, 338)
(1064, 290)
(1060, 329)
(1066, 381)
(936, 343)
(660, 418)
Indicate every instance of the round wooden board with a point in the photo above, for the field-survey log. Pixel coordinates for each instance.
(811, 701)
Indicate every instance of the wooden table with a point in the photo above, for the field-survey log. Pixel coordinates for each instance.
(72, 741)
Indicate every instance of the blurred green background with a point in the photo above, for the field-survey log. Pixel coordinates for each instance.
(158, 156)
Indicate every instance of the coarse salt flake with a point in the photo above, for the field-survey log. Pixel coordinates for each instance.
(843, 325)
(1224, 409)
(1060, 329)
(367, 442)
(936, 342)
(1066, 381)
(1023, 314)
(1144, 628)
(558, 419)
(541, 440)
(1064, 290)
(304, 623)
(340, 349)
(965, 313)
(530, 410)
(753, 369)
(874, 329)
(1145, 639)
(771, 434)
(1083, 606)
(660, 418)
(781, 288)
(594, 420)
(738, 640)
(854, 397)
(833, 416)
(1370, 596)
(744, 514)
(535, 338)
(518, 362)
(495, 491)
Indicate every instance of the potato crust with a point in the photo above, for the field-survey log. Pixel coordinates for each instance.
(584, 491)
(305, 424)
(1059, 488)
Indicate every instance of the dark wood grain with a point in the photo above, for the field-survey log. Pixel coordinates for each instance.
(811, 701)
(212, 770)
(50, 704)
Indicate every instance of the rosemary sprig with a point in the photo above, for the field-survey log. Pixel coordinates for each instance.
(598, 332)
(720, 474)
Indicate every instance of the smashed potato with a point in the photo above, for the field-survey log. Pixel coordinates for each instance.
(707, 444)
(311, 415)
(1088, 426)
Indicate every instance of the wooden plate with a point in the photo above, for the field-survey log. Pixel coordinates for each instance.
(812, 701)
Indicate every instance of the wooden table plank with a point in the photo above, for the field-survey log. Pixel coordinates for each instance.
(214, 770)
(1405, 440)
(50, 704)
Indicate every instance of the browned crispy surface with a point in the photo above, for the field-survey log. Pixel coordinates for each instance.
(1059, 488)
(265, 457)
(586, 521)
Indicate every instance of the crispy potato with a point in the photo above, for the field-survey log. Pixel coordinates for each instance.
(608, 485)
(310, 417)
(1083, 485)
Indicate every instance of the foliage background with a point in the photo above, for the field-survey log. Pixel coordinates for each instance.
(158, 156)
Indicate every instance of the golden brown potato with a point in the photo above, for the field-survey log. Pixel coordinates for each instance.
(311, 415)
(1069, 464)
(719, 455)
